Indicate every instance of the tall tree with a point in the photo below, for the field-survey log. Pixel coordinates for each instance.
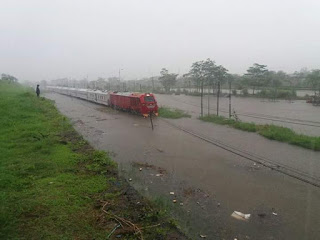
(221, 74)
(276, 79)
(313, 80)
(168, 80)
(256, 76)
(8, 78)
(196, 74)
(206, 72)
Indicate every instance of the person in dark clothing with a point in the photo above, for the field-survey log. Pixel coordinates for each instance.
(38, 91)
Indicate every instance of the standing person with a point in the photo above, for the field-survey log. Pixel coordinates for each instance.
(38, 90)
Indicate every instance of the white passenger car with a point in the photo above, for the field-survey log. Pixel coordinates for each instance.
(86, 94)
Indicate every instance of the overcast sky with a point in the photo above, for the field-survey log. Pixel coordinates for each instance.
(46, 39)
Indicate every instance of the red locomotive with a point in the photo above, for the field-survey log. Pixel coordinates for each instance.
(140, 103)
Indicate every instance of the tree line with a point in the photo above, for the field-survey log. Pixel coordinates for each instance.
(207, 73)
(8, 78)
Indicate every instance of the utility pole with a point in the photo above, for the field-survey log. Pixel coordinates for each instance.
(119, 78)
(152, 85)
(229, 99)
(209, 100)
(201, 97)
(150, 114)
(218, 94)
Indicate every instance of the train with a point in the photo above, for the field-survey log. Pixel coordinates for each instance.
(143, 104)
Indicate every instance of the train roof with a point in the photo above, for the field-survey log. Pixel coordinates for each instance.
(129, 94)
(132, 94)
(79, 89)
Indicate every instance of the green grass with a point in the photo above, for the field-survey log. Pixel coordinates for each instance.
(272, 132)
(166, 112)
(53, 183)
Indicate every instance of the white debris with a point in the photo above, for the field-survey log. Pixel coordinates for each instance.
(159, 149)
(240, 215)
(275, 214)
(159, 175)
(171, 193)
(130, 179)
(174, 201)
(181, 204)
(203, 236)
(140, 169)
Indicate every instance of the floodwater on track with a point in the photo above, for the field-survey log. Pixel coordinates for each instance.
(208, 182)
(298, 115)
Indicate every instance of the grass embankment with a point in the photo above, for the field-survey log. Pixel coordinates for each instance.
(272, 132)
(166, 112)
(54, 185)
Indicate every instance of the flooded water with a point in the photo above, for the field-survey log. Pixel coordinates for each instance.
(300, 93)
(207, 181)
(297, 115)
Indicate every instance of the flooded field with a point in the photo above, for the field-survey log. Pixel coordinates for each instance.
(299, 92)
(297, 115)
(208, 182)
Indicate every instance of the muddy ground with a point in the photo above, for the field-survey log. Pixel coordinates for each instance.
(208, 182)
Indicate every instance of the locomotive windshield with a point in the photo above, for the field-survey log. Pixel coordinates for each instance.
(148, 99)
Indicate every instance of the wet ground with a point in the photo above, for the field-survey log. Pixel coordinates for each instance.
(298, 115)
(208, 182)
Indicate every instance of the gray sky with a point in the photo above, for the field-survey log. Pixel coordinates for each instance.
(46, 39)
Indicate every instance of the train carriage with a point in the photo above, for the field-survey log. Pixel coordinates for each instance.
(139, 103)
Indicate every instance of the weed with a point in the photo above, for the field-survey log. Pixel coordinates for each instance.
(172, 113)
(281, 134)
(52, 181)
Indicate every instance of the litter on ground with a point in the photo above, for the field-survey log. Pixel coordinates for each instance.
(240, 215)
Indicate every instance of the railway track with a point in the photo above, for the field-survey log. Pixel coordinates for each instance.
(269, 163)
(264, 116)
